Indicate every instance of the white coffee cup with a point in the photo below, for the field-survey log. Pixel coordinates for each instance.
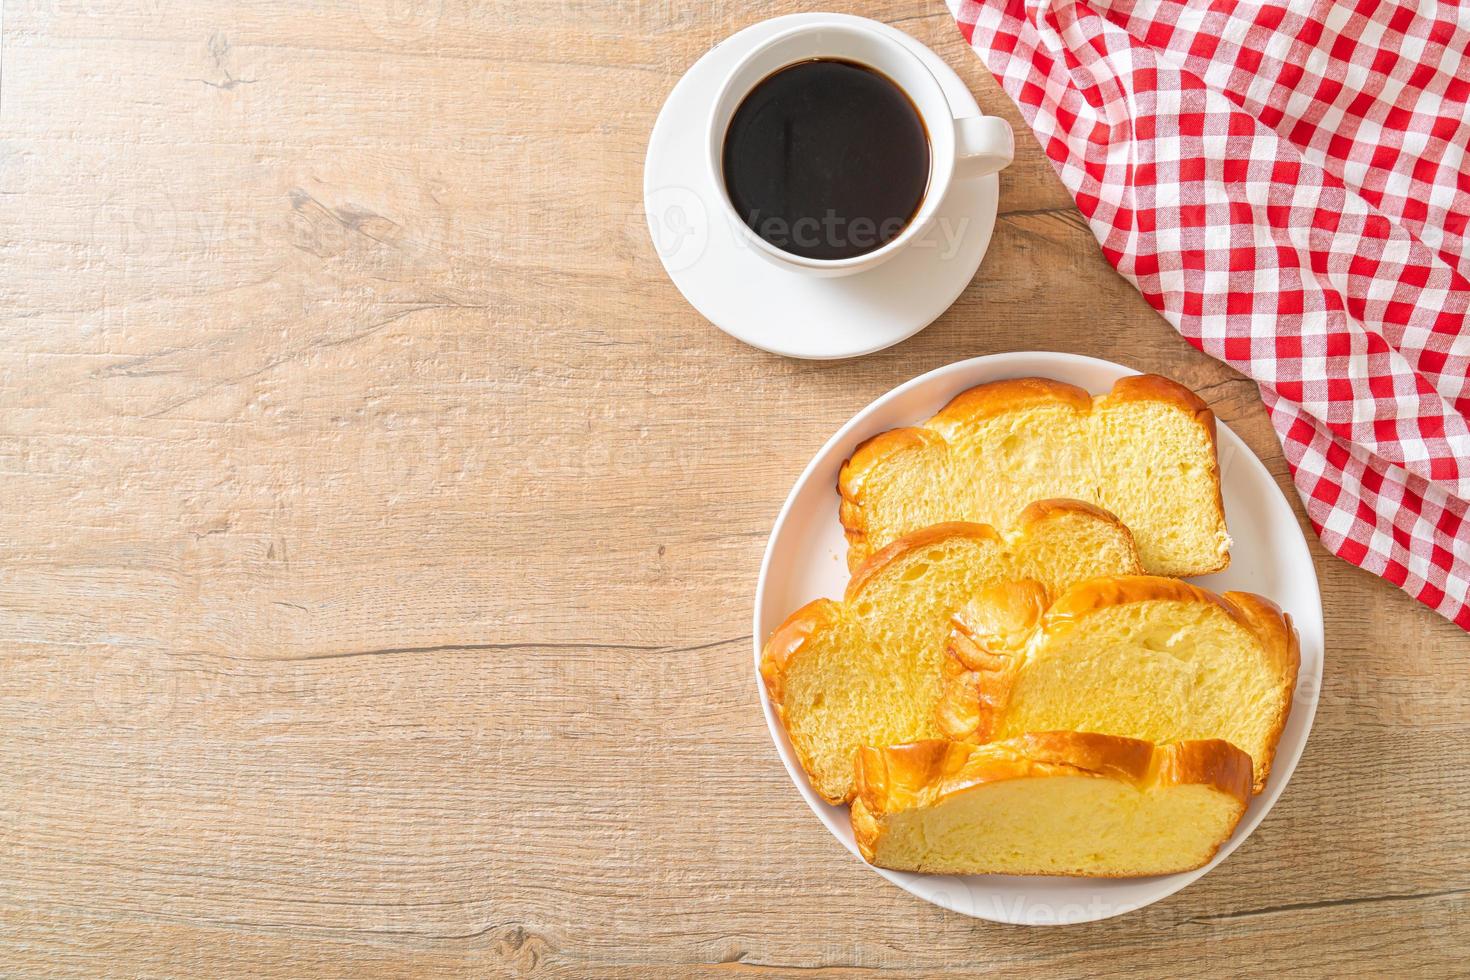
(960, 148)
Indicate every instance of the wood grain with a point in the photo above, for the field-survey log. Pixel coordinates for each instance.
(378, 527)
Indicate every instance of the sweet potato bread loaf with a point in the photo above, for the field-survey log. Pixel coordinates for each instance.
(1145, 452)
(866, 671)
(1054, 803)
(1139, 656)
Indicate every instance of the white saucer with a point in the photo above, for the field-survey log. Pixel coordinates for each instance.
(804, 560)
(783, 312)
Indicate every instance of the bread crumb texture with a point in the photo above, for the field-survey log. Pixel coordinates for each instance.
(1145, 452)
(867, 670)
(1139, 656)
(1055, 803)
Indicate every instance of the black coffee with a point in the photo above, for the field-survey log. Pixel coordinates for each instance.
(826, 159)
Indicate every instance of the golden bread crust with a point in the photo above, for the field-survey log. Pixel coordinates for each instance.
(990, 639)
(788, 640)
(1040, 511)
(916, 541)
(987, 646)
(994, 398)
(784, 645)
(868, 456)
(1157, 388)
(924, 774)
(1122, 590)
(1034, 515)
(1283, 646)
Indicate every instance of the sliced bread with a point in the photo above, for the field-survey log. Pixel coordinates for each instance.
(1054, 803)
(1139, 656)
(866, 670)
(1145, 452)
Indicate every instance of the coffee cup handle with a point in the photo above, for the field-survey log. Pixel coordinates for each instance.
(983, 145)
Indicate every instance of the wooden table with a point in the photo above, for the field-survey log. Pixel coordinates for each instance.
(378, 530)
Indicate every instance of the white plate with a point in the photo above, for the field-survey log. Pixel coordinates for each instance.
(777, 310)
(805, 560)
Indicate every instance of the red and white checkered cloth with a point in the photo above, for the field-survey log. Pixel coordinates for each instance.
(1289, 184)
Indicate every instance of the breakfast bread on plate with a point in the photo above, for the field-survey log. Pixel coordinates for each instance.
(1145, 451)
(1051, 803)
(866, 670)
(1133, 655)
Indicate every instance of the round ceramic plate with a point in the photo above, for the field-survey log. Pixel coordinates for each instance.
(805, 559)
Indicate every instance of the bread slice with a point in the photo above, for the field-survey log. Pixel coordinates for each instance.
(866, 670)
(1145, 452)
(1054, 803)
(1140, 656)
